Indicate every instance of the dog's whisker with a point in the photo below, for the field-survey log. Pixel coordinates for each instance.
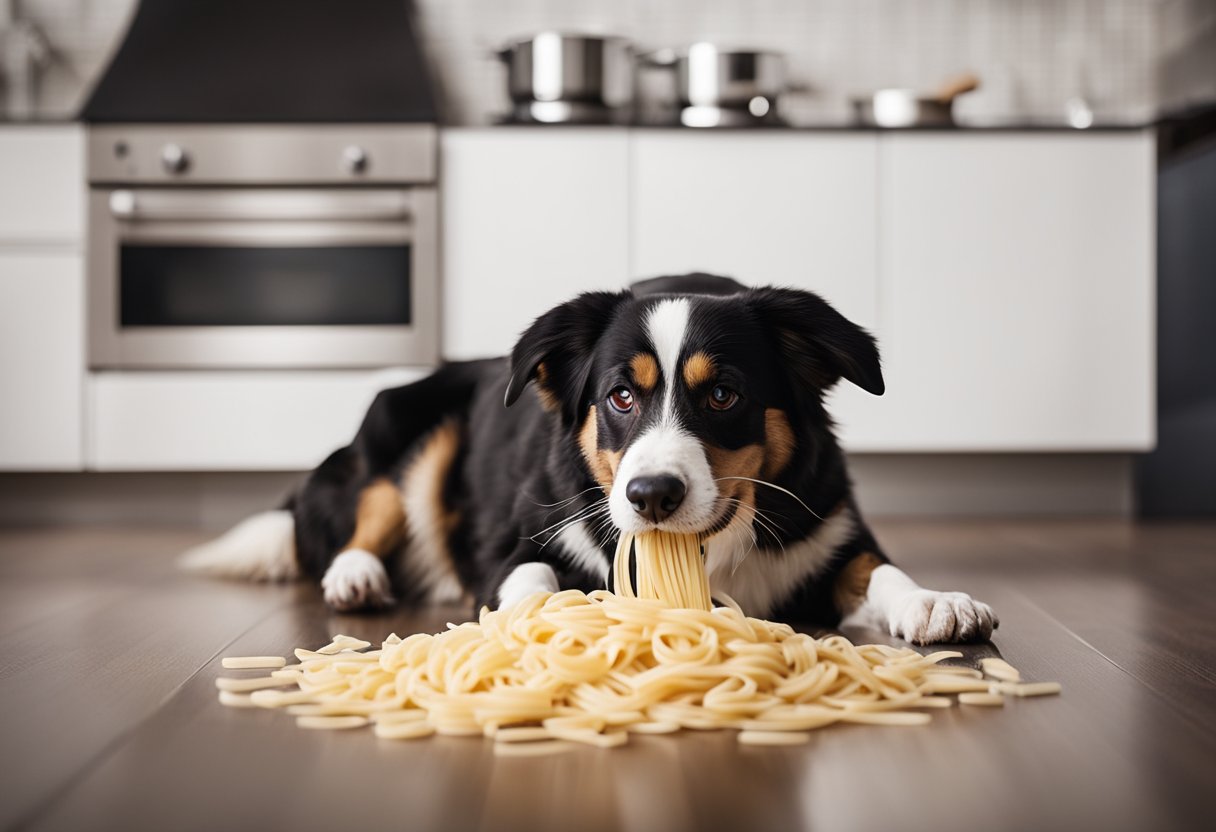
(766, 519)
(759, 517)
(561, 527)
(774, 486)
(591, 511)
(604, 531)
(586, 511)
(742, 554)
(565, 501)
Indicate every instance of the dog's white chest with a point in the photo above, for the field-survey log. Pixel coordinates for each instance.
(760, 580)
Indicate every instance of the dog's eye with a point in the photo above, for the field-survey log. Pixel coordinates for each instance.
(621, 399)
(722, 398)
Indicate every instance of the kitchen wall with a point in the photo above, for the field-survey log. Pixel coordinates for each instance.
(1127, 58)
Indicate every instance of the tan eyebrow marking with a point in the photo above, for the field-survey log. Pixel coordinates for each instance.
(698, 369)
(645, 371)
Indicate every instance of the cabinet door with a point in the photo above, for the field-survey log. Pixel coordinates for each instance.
(42, 184)
(1017, 288)
(252, 420)
(789, 209)
(41, 361)
(531, 217)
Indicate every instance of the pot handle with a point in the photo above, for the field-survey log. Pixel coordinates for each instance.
(955, 86)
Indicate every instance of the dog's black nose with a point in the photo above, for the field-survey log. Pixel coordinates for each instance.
(655, 498)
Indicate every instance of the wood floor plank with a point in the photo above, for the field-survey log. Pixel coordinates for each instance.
(1167, 647)
(74, 683)
(201, 766)
(1142, 595)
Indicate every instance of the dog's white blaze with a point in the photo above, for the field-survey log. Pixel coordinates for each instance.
(760, 581)
(666, 449)
(524, 580)
(581, 551)
(667, 326)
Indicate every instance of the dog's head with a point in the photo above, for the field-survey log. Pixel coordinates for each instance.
(679, 402)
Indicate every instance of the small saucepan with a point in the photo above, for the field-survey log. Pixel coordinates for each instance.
(908, 108)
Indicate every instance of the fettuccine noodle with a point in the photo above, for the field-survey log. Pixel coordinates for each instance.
(590, 668)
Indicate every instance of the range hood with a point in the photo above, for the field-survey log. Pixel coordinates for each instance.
(266, 61)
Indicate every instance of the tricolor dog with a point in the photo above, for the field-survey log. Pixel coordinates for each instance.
(691, 404)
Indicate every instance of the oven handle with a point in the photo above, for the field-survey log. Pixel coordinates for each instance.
(130, 206)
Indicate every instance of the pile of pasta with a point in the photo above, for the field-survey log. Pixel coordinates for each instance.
(571, 667)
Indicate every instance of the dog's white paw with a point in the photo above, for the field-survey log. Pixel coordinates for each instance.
(924, 616)
(356, 579)
(525, 580)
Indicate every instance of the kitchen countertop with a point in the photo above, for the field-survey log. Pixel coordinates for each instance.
(37, 121)
(1027, 127)
(819, 127)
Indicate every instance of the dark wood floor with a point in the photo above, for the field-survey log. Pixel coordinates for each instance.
(109, 717)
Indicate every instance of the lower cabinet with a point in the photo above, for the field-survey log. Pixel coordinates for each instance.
(228, 421)
(41, 361)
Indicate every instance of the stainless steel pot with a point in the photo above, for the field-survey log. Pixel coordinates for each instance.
(909, 108)
(717, 87)
(569, 76)
(709, 76)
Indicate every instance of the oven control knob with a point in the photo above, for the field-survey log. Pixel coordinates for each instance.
(354, 159)
(174, 158)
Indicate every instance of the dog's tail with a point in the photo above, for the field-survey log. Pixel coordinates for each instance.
(259, 548)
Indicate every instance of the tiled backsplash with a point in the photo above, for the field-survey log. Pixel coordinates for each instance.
(1127, 58)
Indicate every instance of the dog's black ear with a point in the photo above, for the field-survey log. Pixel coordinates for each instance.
(556, 351)
(820, 345)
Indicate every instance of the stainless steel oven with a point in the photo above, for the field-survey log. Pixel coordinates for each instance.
(218, 247)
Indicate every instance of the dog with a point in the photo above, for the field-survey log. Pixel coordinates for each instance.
(692, 404)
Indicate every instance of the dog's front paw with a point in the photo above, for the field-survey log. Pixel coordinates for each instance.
(924, 616)
(356, 579)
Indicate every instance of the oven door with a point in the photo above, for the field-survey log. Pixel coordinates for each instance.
(223, 277)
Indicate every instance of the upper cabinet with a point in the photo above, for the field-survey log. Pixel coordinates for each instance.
(531, 217)
(1017, 289)
(792, 209)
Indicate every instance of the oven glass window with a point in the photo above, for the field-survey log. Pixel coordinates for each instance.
(171, 285)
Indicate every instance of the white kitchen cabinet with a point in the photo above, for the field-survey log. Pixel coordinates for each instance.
(228, 421)
(792, 209)
(42, 185)
(531, 217)
(41, 360)
(1017, 291)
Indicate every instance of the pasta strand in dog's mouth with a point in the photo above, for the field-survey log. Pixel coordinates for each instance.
(655, 657)
(669, 569)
